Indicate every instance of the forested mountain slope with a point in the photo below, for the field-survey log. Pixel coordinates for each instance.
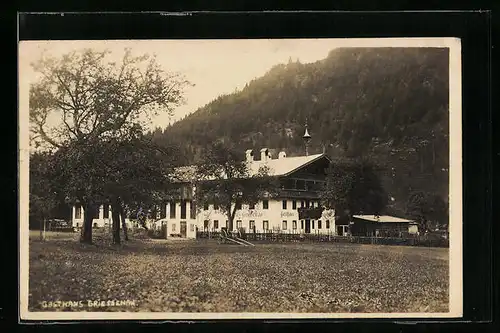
(390, 104)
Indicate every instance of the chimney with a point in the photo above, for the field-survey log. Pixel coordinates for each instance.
(264, 154)
(281, 155)
(249, 155)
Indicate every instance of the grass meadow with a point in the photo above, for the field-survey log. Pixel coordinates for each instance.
(204, 276)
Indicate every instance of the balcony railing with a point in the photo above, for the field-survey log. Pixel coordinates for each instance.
(294, 193)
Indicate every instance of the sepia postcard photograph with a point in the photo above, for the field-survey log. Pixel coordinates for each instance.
(240, 179)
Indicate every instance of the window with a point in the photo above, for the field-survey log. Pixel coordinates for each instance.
(294, 224)
(327, 224)
(301, 224)
(265, 204)
(239, 224)
(205, 224)
(319, 224)
(301, 185)
(216, 206)
(105, 209)
(312, 224)
(251, 224)
(238, 205)
(205, 206)
(78, 212)
(192, 210)
(294, 204)
(284, 204)
(265, 225)
(284, 226)
(216, 224)
(172, 210)
(183, 209)
(251, 206)
(307, 203)
(163, 211)
(302, 204)
(173, 226)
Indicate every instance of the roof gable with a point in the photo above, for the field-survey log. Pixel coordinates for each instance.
(275, 167)
(286, 165)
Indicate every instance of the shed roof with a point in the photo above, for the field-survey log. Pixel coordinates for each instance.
(382, 218)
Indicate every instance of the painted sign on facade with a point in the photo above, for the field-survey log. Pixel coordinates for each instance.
(248, 214)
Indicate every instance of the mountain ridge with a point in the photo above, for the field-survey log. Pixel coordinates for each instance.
(390, 104)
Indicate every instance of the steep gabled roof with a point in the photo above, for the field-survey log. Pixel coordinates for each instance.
(275, 167)
(286, 165)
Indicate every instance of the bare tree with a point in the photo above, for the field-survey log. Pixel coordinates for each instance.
(83, 98)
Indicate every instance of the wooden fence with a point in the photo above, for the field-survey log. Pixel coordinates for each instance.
(314, 238)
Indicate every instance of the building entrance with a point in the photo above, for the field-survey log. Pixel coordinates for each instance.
(308, 227)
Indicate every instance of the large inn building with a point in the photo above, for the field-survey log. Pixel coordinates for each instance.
(300, 177)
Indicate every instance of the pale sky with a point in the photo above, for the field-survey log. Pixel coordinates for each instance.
(216, 67)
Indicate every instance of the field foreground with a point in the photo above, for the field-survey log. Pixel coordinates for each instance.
(203, 276)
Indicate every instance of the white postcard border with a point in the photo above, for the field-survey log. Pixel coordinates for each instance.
(455, 187)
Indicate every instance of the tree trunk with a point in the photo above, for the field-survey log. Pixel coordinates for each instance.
(115, 216)
(88, 217)
(42, 225)
(433, 154)
(229, 223)
(124, 224)
(229, 219)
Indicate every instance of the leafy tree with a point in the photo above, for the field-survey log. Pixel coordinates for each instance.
(124, 173)
(139, 175)
(43, 197)
(227, 180)
(94, 99)
(353, 187)
(80, 179)
(425, 208)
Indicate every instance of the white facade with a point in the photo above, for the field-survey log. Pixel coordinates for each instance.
(103, 220)
(182, 224)
(301, 174)
(274, 218)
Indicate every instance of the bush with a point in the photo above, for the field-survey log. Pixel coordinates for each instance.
(156, 233)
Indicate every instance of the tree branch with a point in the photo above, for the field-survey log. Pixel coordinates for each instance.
(46, 137)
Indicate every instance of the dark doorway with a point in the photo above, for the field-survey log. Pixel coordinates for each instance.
(340, 230)
(183, 229)
(308, 226)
